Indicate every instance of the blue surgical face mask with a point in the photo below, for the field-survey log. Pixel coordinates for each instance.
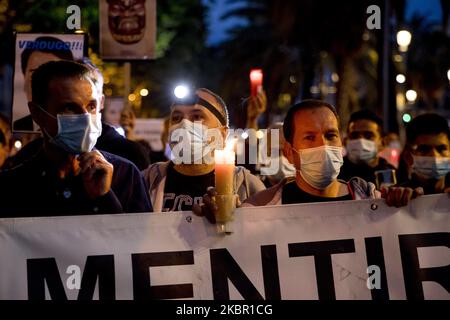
(431, 167)
(320, 166)
(77, 133)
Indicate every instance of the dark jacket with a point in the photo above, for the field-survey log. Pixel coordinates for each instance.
(34, 189)
(110, 141)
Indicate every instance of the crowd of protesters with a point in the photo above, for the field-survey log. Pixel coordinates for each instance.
(81, 165)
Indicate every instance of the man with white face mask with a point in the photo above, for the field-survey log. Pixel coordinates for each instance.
(428, 139)
(314, 146)
(67, 176)
(365, 141)
(180, 183)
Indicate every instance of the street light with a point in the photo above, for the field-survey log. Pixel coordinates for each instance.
(406, 117)
(403, 40)
(411, 96)
(448, 74)
(132, 97)
(18, 144)
(400, 78)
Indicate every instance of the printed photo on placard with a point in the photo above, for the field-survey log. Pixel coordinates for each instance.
(32, 50)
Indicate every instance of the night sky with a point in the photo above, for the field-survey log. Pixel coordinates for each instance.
(217, 28)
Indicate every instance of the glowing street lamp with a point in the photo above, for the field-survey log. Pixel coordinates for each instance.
(406, 117)
(132, 97)
(403, 40)
(411, 96)
(400, 78)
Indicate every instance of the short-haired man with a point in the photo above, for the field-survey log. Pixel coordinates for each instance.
(68, 176)
(180, 184)
(364, 142)
(428, 139)
(314, 146)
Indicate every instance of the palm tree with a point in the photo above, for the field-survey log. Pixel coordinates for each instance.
(291, 38)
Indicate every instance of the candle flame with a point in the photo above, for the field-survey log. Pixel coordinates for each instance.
(231, 144)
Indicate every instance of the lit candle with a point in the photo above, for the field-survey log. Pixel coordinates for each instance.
(224, 171)
(256, 80)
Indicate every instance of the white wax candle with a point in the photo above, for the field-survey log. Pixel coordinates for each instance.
(224, 171)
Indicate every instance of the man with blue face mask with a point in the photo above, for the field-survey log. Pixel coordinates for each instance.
(428, 139)
(314, 146)
(180, 183)
(364, 142)
(68, 176)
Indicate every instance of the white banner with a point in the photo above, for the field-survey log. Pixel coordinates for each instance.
(305, 251)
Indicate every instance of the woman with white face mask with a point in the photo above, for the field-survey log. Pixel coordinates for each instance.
(429, 162)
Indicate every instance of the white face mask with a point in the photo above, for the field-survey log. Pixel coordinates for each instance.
(431, 167)
(395, 144)
(361, 150)
(287, 168)
(194, 147)
(320, 166)
(77, 133)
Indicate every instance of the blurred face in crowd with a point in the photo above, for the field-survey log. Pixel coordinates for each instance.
(68, 96)
(34, 61)
(430, 157)
(313, 128)
(430, 145)
(112, 113)
(127, 122)
(365, 129)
